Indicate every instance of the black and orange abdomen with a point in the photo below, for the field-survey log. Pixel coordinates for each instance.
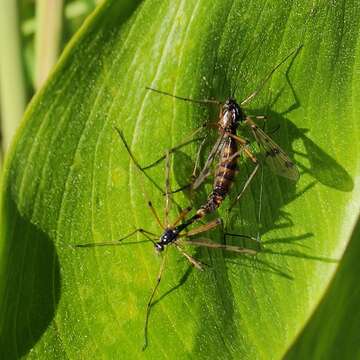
(224, 177)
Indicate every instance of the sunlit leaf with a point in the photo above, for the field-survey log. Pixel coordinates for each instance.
(69, 180)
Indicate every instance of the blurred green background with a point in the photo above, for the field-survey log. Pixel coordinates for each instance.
(33, 34)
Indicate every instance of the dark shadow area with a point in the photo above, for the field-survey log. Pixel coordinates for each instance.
(181, 282)
(277, 193)
(30, 283)
(30, 277)
(259, 265)
(323, 168)
(218, 306)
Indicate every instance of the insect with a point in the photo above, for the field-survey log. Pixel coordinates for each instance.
(226, 147)
(228, 151)
(173, 234)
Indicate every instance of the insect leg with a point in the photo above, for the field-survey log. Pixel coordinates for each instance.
(267, 78)
(202, 228)
(209, 244)
(167, 189)
(122, 138)
(149, 303)
(260, 202)
(188, 140)
(182, 215)
(205, 172)
(196, 263)
(152, 209)
(245, 186)
(118, 242)
(244, 143)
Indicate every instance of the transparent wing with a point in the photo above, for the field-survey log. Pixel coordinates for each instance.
(205, 171)
(276, 158)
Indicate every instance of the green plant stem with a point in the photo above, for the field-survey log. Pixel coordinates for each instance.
(72, 11)
(47, 38)
(13, 93)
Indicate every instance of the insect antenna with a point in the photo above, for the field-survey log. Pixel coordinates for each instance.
(198, 101)
(267, 77)
(246, 54)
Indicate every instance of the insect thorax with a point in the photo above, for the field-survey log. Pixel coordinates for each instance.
(231, 116)
(169, 236)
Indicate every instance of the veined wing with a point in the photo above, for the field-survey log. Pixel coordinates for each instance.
(275, 157)
(205, 171)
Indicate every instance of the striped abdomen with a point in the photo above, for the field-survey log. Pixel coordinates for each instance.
(224, 177)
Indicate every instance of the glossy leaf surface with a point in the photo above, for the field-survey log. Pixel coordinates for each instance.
(69, 180)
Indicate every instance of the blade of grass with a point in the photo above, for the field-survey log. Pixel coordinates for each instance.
(13, 93)
(72, 11)
(47, 37)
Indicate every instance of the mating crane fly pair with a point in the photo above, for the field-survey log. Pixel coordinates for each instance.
(228, 148)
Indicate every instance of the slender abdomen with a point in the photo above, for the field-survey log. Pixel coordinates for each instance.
(224, 177)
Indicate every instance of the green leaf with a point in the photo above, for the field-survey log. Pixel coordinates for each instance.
(68, 179)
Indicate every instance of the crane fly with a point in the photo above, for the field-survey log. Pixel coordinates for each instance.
(173, 234)
(232, 115)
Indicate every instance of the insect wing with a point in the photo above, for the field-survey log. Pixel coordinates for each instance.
(276, 158)
(205, 171)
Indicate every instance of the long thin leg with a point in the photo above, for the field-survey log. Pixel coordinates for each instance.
(209, 244)
(205, 171)
(202, 228)
(193, 175)
(267, 77)
(201, 101)
(243, 236)
(244, 143)
(167, 190)
(197, 158)
(296, 105)
(260, 203)
(188, 140)
(152, 209)
(196, 263)
(119, 242)
(248, 181)
(196, 165)
(149, 303)
(122, 137)
(182, 215)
